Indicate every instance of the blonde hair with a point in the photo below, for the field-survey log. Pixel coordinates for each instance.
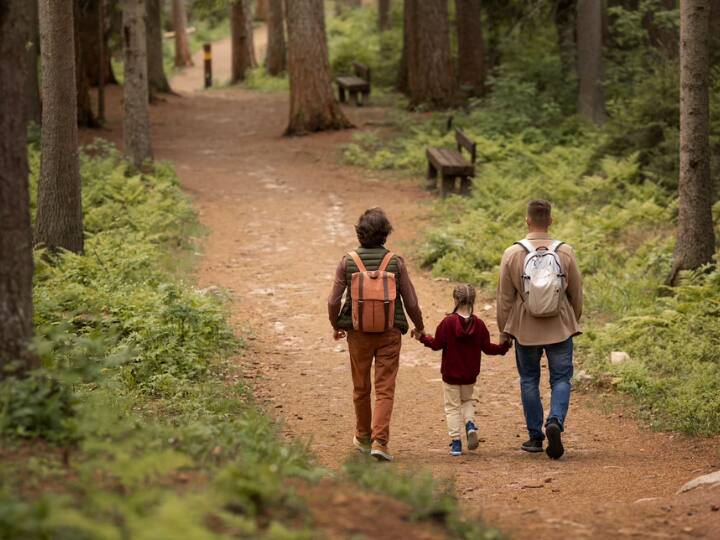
(464, 295)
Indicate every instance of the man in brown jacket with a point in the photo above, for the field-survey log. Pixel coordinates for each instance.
(535, 335)
(372, 429)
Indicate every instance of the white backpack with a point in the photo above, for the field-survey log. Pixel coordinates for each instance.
(543, 279)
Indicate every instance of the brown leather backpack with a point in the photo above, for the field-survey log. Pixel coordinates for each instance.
(373, 296)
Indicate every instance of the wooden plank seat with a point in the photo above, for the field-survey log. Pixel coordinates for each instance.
(449, 164)
(357, 86)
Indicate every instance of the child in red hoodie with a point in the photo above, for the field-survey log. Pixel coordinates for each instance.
(462, 338)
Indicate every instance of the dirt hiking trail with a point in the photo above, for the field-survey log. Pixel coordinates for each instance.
(279, 213)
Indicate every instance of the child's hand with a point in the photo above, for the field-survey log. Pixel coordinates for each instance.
(339, 334)
(416, 334)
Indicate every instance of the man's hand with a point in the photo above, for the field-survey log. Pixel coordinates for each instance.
(339, 334)
(506, 338)
(417, 334)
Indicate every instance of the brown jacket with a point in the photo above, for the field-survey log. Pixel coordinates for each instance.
(513, 319)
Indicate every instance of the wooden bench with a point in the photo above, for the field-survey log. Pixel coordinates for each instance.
(357, 85)
(450, 164)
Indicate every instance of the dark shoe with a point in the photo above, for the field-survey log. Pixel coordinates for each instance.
(555, 448)
(456, 447)
(472, 435)
(533, 445)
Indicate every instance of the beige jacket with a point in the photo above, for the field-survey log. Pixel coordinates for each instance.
(513, 319)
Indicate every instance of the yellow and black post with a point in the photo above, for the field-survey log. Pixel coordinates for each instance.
(207, 48)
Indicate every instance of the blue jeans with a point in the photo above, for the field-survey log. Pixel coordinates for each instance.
(560, 362)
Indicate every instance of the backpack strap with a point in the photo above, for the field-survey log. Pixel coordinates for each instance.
(386, 261)
(358, 261)
(555, 246)
(526, 245)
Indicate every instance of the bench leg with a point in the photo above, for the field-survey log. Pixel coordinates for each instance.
(448, 186)
(432, 175)
(466, 186)
(366, 97)
(341, 91)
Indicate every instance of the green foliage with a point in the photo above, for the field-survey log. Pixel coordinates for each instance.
(419, 490)
(258, 79)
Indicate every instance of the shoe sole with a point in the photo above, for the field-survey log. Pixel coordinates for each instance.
(532, 450)
(380, 455)
(360, 448)
(473, 441)
(555, 448)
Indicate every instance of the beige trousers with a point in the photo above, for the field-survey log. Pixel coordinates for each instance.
(459, 407)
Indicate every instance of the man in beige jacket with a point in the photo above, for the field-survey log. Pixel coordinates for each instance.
(535, 335)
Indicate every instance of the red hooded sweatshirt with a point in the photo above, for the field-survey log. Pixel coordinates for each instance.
(462, 341)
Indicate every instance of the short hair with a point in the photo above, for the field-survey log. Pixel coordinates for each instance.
(539, 212)
(373, 228)
(464, 295)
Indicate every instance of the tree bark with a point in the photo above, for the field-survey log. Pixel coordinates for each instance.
(90, 44)
(714, 32)
(59, 222)
(243, 48)
(183, 58)
(471, 47)
(591, 98)
(157, 81)
(312, 104)
(409, 17)
(564, 17)
(85, 115)
(276, 50)
(262, 10)
(17, 26)
(429, 66)
(32, 51)
(136, 121)
(383, 14)
(695, 236)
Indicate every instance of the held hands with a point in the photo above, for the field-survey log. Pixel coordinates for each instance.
(417, 334)
(339, 334)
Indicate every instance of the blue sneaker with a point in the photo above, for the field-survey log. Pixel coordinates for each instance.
(472, 436)
(456, 447)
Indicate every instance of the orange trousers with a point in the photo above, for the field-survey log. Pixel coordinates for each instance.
(384, 350)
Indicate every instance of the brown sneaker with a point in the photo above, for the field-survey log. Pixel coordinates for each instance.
(363, 445)
(380, 452)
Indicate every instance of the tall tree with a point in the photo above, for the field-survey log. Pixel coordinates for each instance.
(85, 115)
(383, 14)
(183, 58)
(471, 47)
(591, 97)
(564, 16)
(136, 120)
(312, 104)
(157, 81)
(275, 61)
(408, 44)
(16, 259)
(243, 47)
(695, 236)
(429, 66)
(262, 10)
(32, 50)
(59, 222)
(90, 40)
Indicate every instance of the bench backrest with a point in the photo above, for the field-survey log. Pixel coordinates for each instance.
(463, 141)
(362, 71)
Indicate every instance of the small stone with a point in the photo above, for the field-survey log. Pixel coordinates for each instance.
(619, 357)
(714, 508)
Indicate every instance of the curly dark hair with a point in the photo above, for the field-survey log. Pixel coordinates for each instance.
(373, 228)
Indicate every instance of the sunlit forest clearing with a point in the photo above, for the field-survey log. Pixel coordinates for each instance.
(179, 179)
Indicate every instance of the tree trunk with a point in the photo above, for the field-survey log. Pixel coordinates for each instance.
(262, 10)
(243, 48)
(17, 25)
(85, 115)
(312, 104)
(32, 82)
(591, 99)
(471, 48)
(696, 236)
(429, 66)
(157, 81)
(59, 222)
(136, 121)
(276, 51)
(183, 58)
(565, 27)
(90, 44)
(714, 32)
(409, 17)
(383, 14)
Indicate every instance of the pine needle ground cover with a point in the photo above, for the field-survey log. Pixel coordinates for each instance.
(139, 424)
(614, 196)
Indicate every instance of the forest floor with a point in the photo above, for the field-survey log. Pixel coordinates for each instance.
(279, 212)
